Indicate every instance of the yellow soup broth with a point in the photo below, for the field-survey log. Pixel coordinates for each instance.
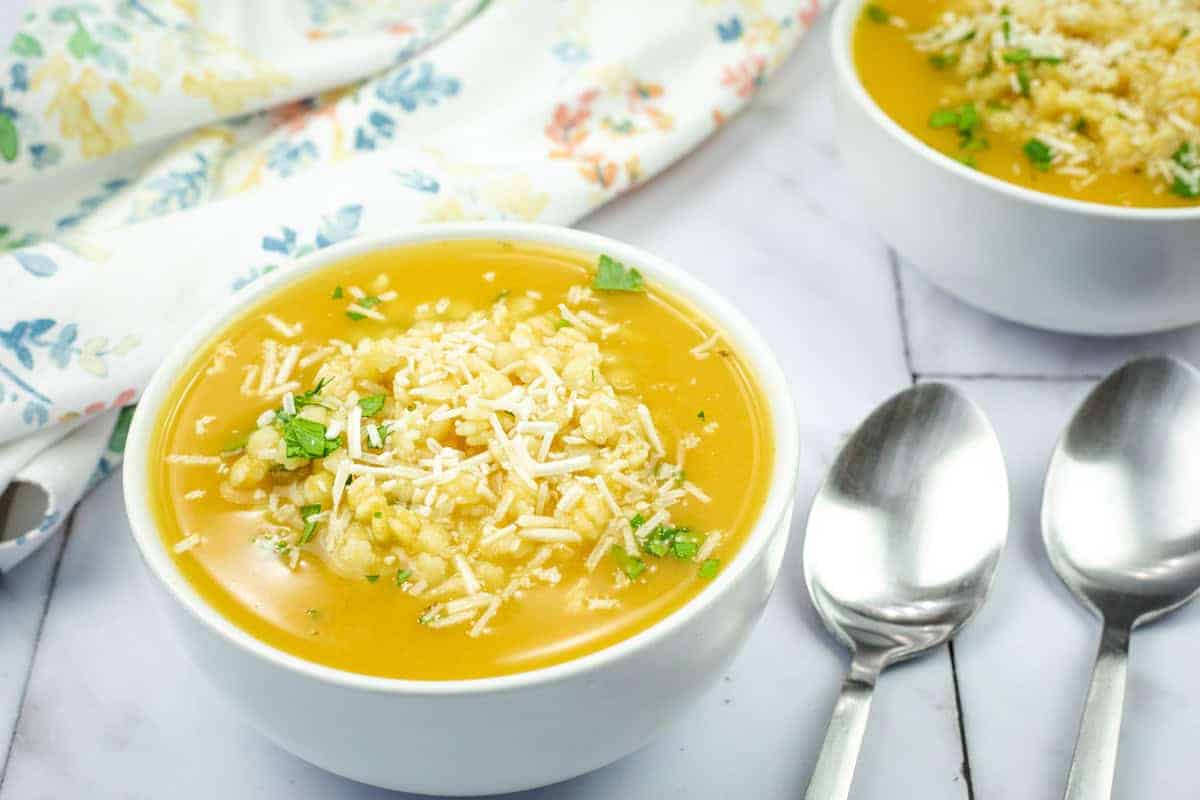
(387, 603)
(925, 61)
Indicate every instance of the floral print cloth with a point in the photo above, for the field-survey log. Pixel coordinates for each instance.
(158, 155)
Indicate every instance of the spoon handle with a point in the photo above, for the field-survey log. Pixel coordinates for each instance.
(843, 739)
(1095, 760)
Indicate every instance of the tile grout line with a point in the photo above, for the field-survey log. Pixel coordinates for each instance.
(901, 313)
(915, 377)
(962, 724)
(6, 762)
(1008, 376)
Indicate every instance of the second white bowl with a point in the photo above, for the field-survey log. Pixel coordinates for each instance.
(1032, 257)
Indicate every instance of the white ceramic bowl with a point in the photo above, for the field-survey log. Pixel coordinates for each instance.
(1031, 257)
(488, 735)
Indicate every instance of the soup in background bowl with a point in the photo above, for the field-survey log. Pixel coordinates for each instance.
(1007, 200)
(502, 495)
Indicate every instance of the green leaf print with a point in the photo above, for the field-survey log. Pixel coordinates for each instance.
(26, 46)
(81, 44)
(8, 138)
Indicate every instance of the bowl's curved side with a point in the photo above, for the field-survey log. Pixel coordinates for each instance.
(1038, 259)
(490, 742)
(445, 736)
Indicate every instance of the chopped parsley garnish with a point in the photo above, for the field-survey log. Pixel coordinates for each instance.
(385, 430)
(338, 294)
(370, 301)
(310, 525)
(943, 118)
(402, 575)
(679, 541)
(943, 60)
(372, 404)
(685, 546)
(371, 578)
(354, 315)
(305, 438)
(562, 323)
(877, 13)
(1038, 153)
(967, 121)
(1080, 126)
(632, 566)
(700, 415)
(1017, 55)
(613, 276)
(1188, 158)
(303, 399)
(709, 568)
(503, 294)
(1023, 80)
(637, 521)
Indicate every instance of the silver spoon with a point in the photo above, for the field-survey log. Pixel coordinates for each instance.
(902, 544)
(1121, 522)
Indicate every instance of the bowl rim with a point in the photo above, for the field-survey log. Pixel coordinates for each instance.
(842, 34)
(759, 356)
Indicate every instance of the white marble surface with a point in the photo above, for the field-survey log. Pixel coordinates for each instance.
(96, 701)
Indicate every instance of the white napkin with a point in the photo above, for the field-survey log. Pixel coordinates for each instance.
(141, 181)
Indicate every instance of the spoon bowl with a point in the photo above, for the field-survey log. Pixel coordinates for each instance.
(1121, 525)
(902, 544)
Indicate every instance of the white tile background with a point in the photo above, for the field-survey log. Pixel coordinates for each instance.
(96, 700)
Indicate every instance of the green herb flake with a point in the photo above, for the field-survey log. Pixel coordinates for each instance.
(310, 510)
(943, 60)
(968, 119)
(1187, 156)
(969, 161)
(372, 404)
(308, 398)
(371, 578)
(1038, 153)
(1080, 126)
(637, 521)
(631, 565)
(700, 415)
(402, 575)
(709, 569)
(943, 118)
(305, 438)
(613, 276)
(306, 535)
(354, 315)
(877, 13)
(503, 294)
(338, 293)
(1023, 80)
(1017, 55)
(370, 301)
(562, 323)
